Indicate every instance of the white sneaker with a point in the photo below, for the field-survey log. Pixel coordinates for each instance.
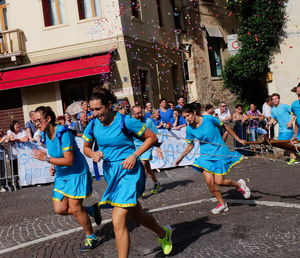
(244, 189)
(2, 190)
(220, 208)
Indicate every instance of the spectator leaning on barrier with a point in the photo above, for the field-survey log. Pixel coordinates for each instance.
(30, 127)
(267, 113)
(2, 160)
(180, 102)
(255, 116)
(209, 110)
(85, 109)
(15, 134)
(223, 114)
(148, 109)
(178, 120)
(165, 112)
(156, 119)
(81, 124)
(69, 123)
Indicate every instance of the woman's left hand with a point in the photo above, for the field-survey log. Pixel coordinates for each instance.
(39, 154)
(129, 162)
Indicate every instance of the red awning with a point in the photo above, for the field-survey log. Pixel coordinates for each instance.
(54, 72)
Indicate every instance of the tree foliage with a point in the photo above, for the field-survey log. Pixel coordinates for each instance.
(260, 33)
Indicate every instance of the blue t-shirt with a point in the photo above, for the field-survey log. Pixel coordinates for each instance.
(181, 121)
(57, 147)
(296, 111)
(166, 116)
(31, 126)
(282, 114)
(156, 122)
(111, 139)
(148, 114)
(150, 125)
(211, 143)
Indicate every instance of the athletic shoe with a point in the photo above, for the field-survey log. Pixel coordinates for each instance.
(89, 244)
(293, 162)
(220, 208)
(166, 242)
(244, 189)
(97, 214)
(156, 188)
(2, 190)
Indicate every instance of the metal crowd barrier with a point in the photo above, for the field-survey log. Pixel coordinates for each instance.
(8, 170)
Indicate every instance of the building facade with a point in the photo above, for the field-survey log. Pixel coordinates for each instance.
(286, 63)
(53, 52)
(205, 26)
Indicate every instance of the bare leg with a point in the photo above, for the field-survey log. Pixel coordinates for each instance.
(220, 180)
(149, 171)
(119, 216)
(146, 220)
(212, 186)
(62, 207)
(81, 215)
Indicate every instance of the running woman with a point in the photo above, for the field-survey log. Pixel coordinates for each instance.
(215, 160)
(123, 171)
(73, 180)
(137, 113)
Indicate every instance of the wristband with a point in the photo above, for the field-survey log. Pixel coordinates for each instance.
(47, 159)
(134, 155)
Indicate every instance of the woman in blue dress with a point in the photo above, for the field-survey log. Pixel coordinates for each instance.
(215, 160)
(73, 180)
(122, 168)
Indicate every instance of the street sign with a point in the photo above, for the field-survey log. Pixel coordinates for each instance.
(233, 44)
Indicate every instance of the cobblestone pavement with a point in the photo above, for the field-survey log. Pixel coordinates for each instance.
(247, 230)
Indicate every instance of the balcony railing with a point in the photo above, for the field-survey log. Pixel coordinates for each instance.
(12, 43)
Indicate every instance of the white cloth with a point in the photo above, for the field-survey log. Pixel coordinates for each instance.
(222, 116)
(266, 110)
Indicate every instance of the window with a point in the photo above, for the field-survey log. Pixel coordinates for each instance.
(214, 56)
(88, 8)
(136, 8)
(160, 20)
(54, 12)
(144, 84)
(3, 16)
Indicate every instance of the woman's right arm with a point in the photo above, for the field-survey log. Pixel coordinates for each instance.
(95, 155)
(187, 150)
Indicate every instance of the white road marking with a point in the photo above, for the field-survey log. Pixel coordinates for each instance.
(67, 232)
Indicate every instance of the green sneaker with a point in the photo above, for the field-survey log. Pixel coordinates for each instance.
(156, 188)
(293, 162)
(89, 244)
(166, 242)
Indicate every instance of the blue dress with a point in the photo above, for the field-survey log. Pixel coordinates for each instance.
(282, 113)
(147, 155)
(215, 157)
(70, 181)
(296, 111)
(124, 187)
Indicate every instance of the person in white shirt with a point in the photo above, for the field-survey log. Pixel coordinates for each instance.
(223, 114)
(266, 111)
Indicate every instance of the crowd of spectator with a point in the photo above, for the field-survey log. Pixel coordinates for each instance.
(246, 124)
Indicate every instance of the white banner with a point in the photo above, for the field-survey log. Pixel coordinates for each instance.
(32, 171)
(173, 144)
